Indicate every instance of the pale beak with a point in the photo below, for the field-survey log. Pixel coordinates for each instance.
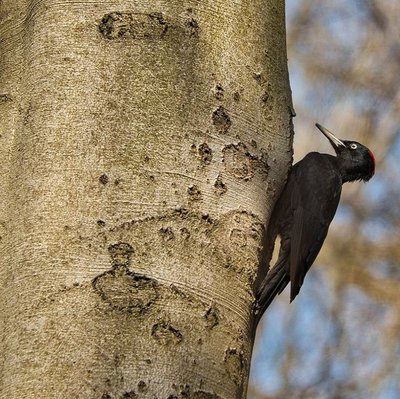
(336, 143)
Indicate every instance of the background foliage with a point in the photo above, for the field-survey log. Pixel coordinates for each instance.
(341, 337)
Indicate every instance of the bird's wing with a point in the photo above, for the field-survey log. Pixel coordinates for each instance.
(315, 197)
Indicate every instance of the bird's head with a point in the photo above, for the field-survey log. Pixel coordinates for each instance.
(356, 161)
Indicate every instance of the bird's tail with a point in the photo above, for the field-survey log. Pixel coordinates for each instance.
(274, 283)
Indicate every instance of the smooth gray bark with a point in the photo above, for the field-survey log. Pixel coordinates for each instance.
(142, 146)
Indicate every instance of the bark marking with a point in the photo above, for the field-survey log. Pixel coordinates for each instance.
(165, 334)
(122, 289)
(129, 25)
(242, 164)
(221, 120)
(205, 153)
(212, 317)
(194, 192)
(219, 186)
(103, 179)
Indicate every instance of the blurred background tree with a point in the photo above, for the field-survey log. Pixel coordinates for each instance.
(341, 337)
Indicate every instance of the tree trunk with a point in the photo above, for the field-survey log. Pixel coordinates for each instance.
(142, 145)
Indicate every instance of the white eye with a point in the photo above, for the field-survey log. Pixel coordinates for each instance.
(353, 146)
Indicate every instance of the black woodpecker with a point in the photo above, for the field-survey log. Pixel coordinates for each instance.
(305, 209)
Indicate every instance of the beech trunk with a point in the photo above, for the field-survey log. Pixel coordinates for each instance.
(143, 144)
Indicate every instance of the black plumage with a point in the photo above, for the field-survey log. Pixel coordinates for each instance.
(305, 209)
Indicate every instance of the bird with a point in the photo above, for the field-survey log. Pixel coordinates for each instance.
(304, 211)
